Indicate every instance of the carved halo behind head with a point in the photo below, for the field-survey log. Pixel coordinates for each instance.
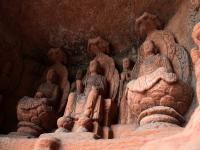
(101, 46)
(146, 23)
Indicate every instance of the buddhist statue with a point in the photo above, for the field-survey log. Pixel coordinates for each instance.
(39, 114)
(99, 48)
(90, 106)
(80, 110)
(155, 96)
(125, 77)
(42, 119)
(159, 92)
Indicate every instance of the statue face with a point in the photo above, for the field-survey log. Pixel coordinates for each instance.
(126, 63)
(148, 48)
(79, 86)
(196, 4)
(51, 76)
(79, 74)
(94, 66)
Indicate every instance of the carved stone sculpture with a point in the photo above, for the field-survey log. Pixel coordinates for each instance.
(195, 4)
(82, 106)
(125, 77)
(59, 59)
(99, 48)
(159, 91)
(149, 27)
(79, 76)
(39, 114)
(189, 137)
(99, 104)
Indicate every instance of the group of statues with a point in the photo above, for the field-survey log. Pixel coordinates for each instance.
(156, 90)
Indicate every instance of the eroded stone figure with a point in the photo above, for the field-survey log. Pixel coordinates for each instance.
(188, 138)
(195, 4)
(59, 59)
(125, 77)
(82, 106)
(37, 115)
(159, 91)
(99, 48)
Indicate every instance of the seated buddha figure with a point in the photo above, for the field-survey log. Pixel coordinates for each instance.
(38, 114)
(157, 95)
(83, 105)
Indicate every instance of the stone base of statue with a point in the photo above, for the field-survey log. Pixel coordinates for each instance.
(35, 117)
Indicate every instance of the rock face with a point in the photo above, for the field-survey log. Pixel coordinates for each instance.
(28, 29)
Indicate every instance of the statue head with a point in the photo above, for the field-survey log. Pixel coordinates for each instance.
(79, 86)
(195, 4)
(126, 63)
(52, 76)
(94, 67)
(147, 23)
(79, 74)
(97, 45)
(196, 34)
(148, 48)
(57, 55)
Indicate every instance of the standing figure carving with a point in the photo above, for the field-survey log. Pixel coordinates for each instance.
(125, 77)
(159, 91)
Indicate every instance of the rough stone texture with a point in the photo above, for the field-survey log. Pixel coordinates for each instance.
(29, 28)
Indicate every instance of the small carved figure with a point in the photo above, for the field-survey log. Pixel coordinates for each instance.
(80, 110)
(37, 115)
(195, 4)
(157, 94)
(149, 27)
(125, 77)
